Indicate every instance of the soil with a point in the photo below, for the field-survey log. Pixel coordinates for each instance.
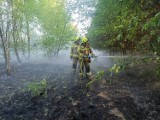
(68, 98)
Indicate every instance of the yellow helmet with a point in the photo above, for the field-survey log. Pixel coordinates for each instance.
(77, 38)
(84, 40)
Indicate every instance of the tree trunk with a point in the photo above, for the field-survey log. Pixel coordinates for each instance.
(15, 46)
(7, 54)
(13, 34)
(28, 37)
(6, 50)
(61, 38)
(5, 38)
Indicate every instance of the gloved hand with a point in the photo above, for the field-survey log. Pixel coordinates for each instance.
(93, 55)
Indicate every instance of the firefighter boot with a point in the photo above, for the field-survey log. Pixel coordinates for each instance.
(80, 76)
(89, 76)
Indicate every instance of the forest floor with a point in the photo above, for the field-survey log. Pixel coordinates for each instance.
(67, 98)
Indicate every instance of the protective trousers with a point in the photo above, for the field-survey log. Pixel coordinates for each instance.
(74, 66)
(84, 65)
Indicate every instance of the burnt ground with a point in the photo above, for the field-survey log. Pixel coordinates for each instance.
(68, 98)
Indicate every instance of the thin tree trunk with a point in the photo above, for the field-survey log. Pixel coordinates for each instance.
(13, 34)
(5, 39)
(15, 46)
(28, 37)
(7, 51)
(61, 39)
(5, 45)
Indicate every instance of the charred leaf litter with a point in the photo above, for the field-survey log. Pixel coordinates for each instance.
(67, 98)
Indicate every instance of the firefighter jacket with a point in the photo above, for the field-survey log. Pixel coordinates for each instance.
(74, 51)
(84, 51)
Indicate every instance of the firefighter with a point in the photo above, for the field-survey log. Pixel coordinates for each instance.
(74, 53)
(85, 52)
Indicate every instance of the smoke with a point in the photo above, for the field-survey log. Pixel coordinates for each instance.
(40, 58)
(100, 62)
(63, 58)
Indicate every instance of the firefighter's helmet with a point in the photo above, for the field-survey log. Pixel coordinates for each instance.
(84, 40)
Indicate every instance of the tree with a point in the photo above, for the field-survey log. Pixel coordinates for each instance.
(24, 21)
(55, 25)
(4, 33)
(129, 26)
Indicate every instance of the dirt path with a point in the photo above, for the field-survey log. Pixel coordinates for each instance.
(70, 99)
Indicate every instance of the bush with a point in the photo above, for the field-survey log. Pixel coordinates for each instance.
(38, 88)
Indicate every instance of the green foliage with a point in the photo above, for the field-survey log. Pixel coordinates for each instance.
(54, 21)
(127, 26)
(124, 65)
(98, 77)
(45, 23)
(114, 70)
(123, 25)
(38, 88)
